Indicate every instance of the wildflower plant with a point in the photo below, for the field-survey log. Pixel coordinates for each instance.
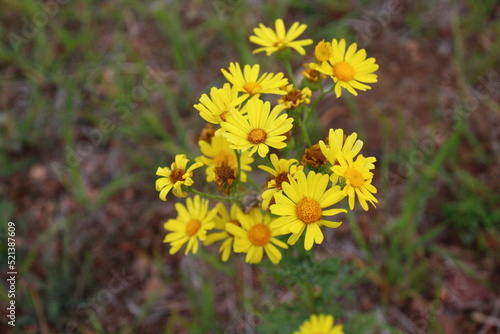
(263, 119)
(307, 183)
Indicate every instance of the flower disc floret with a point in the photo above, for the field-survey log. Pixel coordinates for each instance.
(354, 177)
(343, 71)
(259, 235)
(192, 227)
(309, 210)
(257, 136)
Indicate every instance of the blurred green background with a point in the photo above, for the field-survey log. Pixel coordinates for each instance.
(95, 95)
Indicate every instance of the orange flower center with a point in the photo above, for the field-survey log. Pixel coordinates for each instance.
(192, 227)
(176, 175)
(294, 97)
(279, 43)
(343, 71)
(308, 210)
(355, 177)
(250, 87)
(259, 235)
(257, 136)
(280, 178)
(224, 176)
(314, 157)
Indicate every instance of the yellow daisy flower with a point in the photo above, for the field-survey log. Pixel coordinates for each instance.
(215, 108)
(358, 179)
(175, 177)
(320, 323)
(256, 236)
(323, 51)
(191, 225)
(218, 152)
(302, 205)
(272, 41)
(295, 97)
(348, 69)
(280, 171)
(260, 129)
(339, 144)
(222, 220)
(250, 84)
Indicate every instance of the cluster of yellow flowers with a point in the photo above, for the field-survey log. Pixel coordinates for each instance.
(298, 196)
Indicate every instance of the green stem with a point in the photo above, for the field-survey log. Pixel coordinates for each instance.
(358, 235)
(321, 95)
(238, 158)
(253, 184)
(238, 173)
(288, 69)
(267, 161)
(209, 196)
(320, 82)
(303, 129)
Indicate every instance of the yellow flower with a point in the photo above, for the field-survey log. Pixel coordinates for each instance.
(358, 179)
(256, 236)
(295, 97)
(273, 41)
(320, 323)
(348, 69)
(260, 129)
(336, 145)
(175, 177)
(223, 220)
(191, 225)
(214, 109)
(250, 84)
(218, 152)
(323, 51)
(302, 206)
(282, 168)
